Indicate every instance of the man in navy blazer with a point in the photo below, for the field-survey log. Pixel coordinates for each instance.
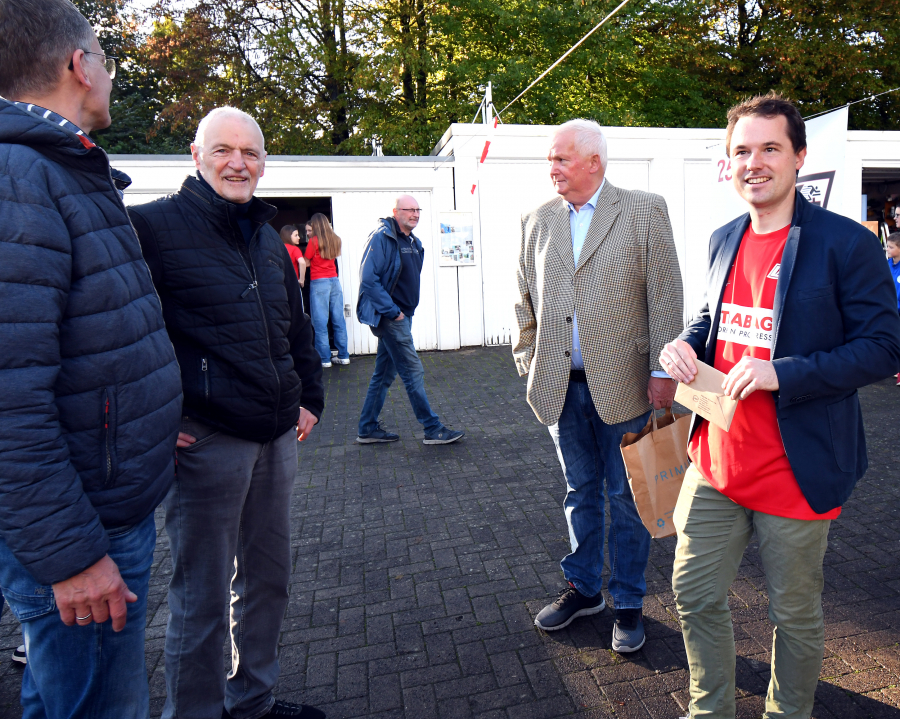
(799, 313)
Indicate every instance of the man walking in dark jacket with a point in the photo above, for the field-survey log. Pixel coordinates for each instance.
(91, 394)
(250, 375)
(388, 297)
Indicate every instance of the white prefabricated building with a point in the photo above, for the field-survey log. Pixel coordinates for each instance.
(472, 304)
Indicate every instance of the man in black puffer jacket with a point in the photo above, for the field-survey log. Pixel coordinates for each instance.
(91, 394)
(250, 373)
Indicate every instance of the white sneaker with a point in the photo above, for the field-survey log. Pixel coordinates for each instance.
(19, 655)
(326, 365)
(342, 361)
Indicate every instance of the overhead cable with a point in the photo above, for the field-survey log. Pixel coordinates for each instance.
(865, 99)
(567, 53)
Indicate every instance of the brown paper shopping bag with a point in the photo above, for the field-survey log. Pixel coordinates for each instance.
(656, 460)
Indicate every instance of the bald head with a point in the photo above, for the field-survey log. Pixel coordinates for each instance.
(229, 153)
(227, 115)
(407, 213)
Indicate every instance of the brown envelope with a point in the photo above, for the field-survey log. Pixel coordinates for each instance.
(704, 396)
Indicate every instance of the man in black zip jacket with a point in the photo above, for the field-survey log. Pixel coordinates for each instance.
(250, 375)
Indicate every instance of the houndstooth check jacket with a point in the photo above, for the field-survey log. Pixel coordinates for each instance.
(627, 291)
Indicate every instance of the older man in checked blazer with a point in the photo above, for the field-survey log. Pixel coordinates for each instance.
(599, 297)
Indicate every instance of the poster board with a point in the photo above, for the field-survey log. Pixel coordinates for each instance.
(457, 239)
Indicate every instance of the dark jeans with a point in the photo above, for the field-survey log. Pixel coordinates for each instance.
(396, 355)
(228, 519)
(589, 453)
(90, 672)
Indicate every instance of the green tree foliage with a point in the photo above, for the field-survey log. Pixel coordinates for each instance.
(327, 76)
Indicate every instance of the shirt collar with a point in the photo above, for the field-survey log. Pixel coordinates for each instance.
(592, 202)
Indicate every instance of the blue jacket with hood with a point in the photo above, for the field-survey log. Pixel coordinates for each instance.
(379, 273)
(91, 398)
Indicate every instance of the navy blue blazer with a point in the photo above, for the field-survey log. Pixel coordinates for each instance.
(836, 329)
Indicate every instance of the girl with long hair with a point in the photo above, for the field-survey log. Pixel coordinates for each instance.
(326, 298)
(290, 236)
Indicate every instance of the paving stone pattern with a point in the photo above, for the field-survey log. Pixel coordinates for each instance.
(418, 571)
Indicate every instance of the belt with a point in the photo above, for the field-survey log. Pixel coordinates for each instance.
(577, 375)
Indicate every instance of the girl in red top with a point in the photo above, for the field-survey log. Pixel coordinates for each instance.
(326, 298)
(290, 236)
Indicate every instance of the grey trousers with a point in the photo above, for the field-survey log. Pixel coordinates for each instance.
(228, 521)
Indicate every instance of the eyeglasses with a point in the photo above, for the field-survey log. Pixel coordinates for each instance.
(415, 210)
(109, 63)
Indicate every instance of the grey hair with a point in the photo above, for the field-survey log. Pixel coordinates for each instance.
(37, 39)
(219, 112)
(589, 138)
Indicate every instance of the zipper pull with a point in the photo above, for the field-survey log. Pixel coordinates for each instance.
(203, 364)
(251, 286)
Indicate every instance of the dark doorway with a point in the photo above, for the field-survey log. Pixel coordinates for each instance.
(297, 211)
(881, 188)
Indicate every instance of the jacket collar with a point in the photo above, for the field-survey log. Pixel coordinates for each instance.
(222, 213)
(393, 231)
(605, 214)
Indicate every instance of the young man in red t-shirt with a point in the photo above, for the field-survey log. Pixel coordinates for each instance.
(799, 313)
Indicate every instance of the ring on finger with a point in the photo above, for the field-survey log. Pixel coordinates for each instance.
(87, 616)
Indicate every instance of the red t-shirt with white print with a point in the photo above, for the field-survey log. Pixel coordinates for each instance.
(748, 464)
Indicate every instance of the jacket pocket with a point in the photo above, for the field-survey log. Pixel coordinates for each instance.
(843, 420)
(642, 344)
(815, 292)
(108, 463)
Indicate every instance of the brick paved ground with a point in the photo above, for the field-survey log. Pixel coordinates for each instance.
(418, 571)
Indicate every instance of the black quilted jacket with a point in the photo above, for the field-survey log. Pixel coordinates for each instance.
(233, 312)
(91, 397)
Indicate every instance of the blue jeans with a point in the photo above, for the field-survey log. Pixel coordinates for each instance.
(327, 299)
(396, 355)
(89, 672)
(588, 451)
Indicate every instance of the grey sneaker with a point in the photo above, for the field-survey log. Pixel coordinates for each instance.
(379, 434)
(570, 605)
(628, 631)
(444, 435)
(341, 361)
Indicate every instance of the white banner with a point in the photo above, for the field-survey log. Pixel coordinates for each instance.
(821, 177)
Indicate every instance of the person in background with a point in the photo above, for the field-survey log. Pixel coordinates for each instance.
(91, 392)
(326, 298)
(290, 236)
(389, 283)
(892, 249)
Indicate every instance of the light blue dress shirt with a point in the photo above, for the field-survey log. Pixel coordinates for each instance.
(579, 222)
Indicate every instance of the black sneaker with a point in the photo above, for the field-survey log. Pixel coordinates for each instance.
(444, 435)
(19, 655)
(287, 709)
(570, 605)
(379, 434)
(628, 631)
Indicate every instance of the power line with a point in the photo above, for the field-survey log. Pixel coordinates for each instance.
(568, 52)
(865, 99)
